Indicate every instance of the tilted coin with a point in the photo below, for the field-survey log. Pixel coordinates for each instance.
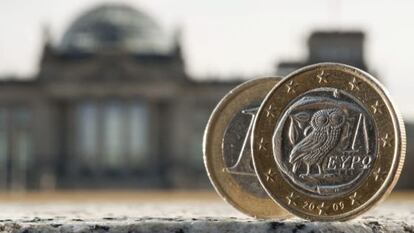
(327, 142)
(227, 153)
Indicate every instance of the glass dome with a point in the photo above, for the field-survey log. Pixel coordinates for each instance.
(115, 26)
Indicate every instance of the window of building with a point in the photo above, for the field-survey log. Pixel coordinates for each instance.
(21, 143)
(87, 131)
(4, 148)
(113, 135)
(114, 132)
(138, 132)
(15, 147)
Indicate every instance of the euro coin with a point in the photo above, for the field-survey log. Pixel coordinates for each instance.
(227, 153)
(328, 143)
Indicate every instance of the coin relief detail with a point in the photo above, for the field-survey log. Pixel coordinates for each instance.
(325, 142)
(334, 142)
(237, 152)
(321, 207)
(228, 154)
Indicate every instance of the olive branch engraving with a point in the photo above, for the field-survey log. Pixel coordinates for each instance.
(297, 123)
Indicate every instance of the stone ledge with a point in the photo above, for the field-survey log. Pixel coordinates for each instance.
(185, 217)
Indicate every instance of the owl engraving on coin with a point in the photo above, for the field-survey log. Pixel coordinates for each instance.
(325, 130)
(325, 142)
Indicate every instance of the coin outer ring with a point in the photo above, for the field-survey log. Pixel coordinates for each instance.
(225, 185)
(386, 170)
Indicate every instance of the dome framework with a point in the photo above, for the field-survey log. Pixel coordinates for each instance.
(115, 27)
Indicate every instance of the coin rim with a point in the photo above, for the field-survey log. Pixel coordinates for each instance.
(399, 146)
(243, 201)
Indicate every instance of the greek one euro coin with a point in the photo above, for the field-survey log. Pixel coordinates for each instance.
(328, 143)
(227, 153)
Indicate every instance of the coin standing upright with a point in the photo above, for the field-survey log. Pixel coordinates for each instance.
(328, 143)
(227, 153)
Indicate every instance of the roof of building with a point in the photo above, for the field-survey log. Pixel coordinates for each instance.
(337, 34)
(117, 27)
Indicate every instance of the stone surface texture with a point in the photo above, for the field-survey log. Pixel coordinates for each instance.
(182, 216)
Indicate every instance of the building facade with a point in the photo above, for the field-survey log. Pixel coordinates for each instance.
(330, 46)
(112, 107)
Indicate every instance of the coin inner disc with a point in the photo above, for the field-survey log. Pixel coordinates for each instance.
(325, 142)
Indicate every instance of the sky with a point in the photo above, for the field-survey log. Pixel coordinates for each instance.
(233, 37)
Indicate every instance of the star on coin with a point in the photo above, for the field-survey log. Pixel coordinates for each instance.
(291, 199)
(291, 87)
(262, 144)
(321, 208)
(354, 199)
(376, 108)
(269, 111)
(321, 77)
(385, 141)
(379, 175)
(354, 84)
(270, 175)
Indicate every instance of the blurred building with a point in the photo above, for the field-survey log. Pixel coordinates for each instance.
(330, 46)
(111, 107)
